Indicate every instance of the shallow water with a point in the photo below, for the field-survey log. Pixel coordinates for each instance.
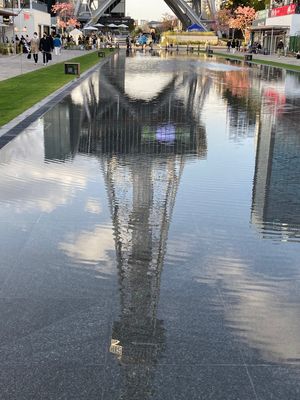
(150, 236)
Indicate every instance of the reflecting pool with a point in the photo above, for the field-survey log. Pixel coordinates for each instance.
(150, 236)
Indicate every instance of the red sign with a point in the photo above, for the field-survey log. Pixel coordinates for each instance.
(285, 10)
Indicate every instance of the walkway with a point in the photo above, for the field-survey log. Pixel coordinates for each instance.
(18, 64)
(272, 58)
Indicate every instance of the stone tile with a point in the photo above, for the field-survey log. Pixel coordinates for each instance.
(51, 382)
(57, 278)
(139, 381)
(62, 334)
(45, 270)
(200, 350)
(270, 353)
(218, 383)
(276, 382)
(14, 236)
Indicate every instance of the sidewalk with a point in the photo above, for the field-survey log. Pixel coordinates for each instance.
(261, 57)
(14, 65)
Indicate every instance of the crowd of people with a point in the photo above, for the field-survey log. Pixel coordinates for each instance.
(92, 41)
(35, 46)
(234, 45)
(53, 43)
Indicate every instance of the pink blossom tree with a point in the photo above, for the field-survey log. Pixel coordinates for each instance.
(65, 15)
(242, 20)
(223, 18)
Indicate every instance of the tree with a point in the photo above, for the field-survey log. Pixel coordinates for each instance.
(65, 15)
(242, 20)
(223, 18)
(256, 4)
(169, 22)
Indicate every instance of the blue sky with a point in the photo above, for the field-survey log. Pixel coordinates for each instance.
(145, 9)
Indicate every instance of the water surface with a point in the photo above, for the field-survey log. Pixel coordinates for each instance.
(150, 236)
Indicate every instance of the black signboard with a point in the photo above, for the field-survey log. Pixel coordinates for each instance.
(72, 69)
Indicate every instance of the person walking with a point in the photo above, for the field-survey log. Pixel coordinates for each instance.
(128, 42)
(57, 45)
(233, 46)
(228, 46)
(35, 45)
(25, 45)
(279, 48)
(46, 46)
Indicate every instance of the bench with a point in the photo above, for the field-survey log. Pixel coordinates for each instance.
(72, 68)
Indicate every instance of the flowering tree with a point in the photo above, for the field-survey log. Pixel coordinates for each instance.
(65, 15)
(169, 22)
(242, 20)
(223, 18)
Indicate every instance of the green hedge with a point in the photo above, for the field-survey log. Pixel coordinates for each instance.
(171, 33)
(294, 43)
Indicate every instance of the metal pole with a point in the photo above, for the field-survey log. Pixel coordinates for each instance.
(271, 44)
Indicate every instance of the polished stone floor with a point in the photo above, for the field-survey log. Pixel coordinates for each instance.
(150, 237)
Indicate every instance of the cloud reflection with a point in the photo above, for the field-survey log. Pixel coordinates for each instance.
(29, 183)
(90, 247)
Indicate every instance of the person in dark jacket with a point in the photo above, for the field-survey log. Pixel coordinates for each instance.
(228, 46)
(279, 48)
(46, 47)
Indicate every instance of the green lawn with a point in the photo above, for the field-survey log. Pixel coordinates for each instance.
(22, 92)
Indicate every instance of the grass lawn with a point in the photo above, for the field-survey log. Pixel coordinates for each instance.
(22, 92)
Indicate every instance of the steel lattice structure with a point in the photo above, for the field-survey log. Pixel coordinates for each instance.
(187, 11)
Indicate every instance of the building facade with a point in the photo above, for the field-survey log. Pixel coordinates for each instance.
(280, 22)
(24, 17)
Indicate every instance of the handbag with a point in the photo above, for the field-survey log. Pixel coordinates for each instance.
(49, 56)
(29, 56)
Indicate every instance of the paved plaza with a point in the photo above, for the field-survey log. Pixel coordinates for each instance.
(14, 65)
(271, 57)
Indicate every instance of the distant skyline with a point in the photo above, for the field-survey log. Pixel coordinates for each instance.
(145, 9)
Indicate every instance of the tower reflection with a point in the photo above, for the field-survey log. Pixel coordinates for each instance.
(141, 131)
(142, 142)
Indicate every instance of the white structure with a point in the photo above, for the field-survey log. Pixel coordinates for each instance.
(284, 18)
(278, 23)
(30, 19)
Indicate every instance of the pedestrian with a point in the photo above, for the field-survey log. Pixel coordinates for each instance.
(258, 47)
(233, 46)
(25, 45)
(34, 46)
(228, 46)
(57, 45)
(279, 48)
(94, 41)
(128, 42)
(153, 37)
(46, 46)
